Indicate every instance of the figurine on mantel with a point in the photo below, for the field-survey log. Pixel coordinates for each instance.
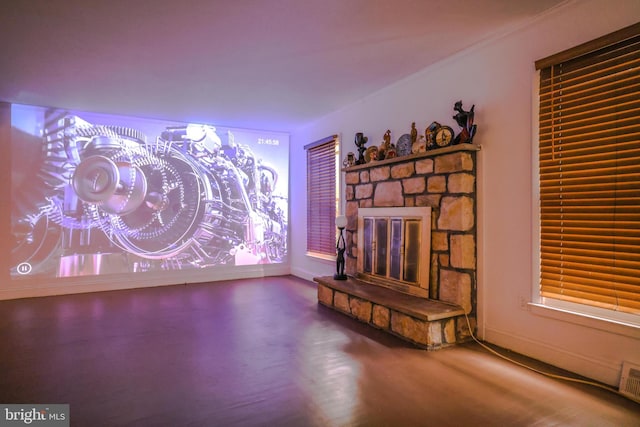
(391, 152)
(465, 121)
(350, 160)
(419, 146)
(385, 147)
(360, 142)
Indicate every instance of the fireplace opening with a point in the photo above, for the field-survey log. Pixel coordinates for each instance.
(394, 248)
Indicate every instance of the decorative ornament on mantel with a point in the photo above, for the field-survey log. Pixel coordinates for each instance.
(350, 160)
(360, 142)
(403, 146)
(387, 150)
(465, 121)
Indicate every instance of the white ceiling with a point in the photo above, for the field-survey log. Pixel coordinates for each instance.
(267, 64)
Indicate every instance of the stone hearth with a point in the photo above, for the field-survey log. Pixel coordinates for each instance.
(445, 180)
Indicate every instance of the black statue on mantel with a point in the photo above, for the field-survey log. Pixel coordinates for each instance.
(360, 141)
(465, 121)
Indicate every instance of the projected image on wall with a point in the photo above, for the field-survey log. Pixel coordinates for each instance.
(95, 194)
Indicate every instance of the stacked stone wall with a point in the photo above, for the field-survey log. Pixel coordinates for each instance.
(428, 334)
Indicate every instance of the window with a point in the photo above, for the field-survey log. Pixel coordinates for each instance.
(322, 196)
(589, 160)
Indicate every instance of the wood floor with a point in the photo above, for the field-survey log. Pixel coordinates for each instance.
(261, 352)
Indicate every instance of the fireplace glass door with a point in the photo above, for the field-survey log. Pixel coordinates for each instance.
(393, 247)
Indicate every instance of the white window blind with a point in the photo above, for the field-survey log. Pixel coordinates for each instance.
(322, 205)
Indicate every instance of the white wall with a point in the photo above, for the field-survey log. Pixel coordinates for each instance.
(498, 76)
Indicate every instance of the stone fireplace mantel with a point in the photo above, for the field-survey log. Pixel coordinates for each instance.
(445, 180)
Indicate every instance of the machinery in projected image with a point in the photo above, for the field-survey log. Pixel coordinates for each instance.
(107, 199)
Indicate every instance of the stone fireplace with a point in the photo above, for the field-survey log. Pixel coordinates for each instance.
(430, 314)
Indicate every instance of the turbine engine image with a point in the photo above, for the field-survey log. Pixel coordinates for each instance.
(112, 198)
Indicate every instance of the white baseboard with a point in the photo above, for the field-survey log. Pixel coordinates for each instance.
(135, 281)
(600, 370)
(306, 274)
